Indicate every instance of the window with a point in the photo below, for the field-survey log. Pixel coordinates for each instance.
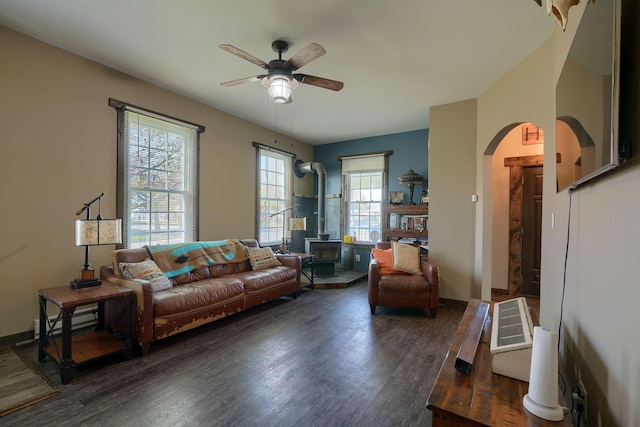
(364, 185)
(274, 188)
(157, 178)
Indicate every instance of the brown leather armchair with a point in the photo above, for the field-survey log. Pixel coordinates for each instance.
(399, 290)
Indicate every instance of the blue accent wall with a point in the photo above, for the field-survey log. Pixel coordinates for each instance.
(410, 150)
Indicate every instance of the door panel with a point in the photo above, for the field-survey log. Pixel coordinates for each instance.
(531, 230)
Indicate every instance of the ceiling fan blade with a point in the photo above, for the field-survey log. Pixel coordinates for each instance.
(319, 81)
(306, 55)
(244, 55)
(241, 81)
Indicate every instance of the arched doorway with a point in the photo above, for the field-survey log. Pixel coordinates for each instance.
(515, 157)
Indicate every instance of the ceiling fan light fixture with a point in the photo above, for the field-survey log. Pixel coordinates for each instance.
(280, 87)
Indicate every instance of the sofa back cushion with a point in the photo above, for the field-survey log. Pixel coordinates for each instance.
(217, 269)
(128, 256)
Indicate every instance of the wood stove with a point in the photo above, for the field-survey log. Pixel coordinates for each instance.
(326, 254)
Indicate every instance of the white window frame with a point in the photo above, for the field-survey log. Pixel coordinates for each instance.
(274, 193)
(363, 202)
(164, 209)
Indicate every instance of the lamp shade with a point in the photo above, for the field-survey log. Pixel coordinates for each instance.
(92, 232)
(298, 224)
(280, 87)
(411, 177)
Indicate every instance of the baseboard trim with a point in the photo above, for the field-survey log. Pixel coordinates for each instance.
(453, 302)
(16, 338)
(496, 291)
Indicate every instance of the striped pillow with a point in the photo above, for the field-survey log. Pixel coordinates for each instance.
(262, 258)
(146, 270)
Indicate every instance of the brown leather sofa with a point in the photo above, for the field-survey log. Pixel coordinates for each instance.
(205, 295)
(404, 290)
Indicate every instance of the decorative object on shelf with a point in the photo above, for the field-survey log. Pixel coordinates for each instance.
(283, 249)
(396, 197)
(410, 179)
(94, 232)
(560, 9)
(424, 197)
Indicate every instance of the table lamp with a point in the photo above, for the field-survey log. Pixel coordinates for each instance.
(93, 232)
(297, 224)
(283, 247)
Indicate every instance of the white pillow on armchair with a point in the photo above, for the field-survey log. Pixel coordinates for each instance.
(406, 258)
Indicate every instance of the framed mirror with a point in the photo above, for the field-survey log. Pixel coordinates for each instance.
(587, 98)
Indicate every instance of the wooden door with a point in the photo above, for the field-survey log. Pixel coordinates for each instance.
(531, 230)
(524, 251)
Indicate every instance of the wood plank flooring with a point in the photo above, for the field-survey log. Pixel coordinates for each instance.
(319, 360)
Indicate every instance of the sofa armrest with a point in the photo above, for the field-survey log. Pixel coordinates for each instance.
(291, 260)
(374, 278)
(432, 274)
(143, 328)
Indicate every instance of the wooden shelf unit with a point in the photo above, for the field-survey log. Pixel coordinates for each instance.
(395, 231)
(88, 346)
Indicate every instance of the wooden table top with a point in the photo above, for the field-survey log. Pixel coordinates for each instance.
(66, 296)
(483, 398)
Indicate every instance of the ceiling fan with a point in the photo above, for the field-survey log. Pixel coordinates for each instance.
(280, 79)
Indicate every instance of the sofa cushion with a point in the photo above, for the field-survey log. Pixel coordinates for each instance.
(406, 258)
(404, 285)
(262, 258)
(197, 295)
(146, 270)
(384, 258)
(262, 279)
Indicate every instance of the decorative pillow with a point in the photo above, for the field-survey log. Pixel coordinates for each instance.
(384, 257)
(406, 258)
(146, 270)
(262, 258)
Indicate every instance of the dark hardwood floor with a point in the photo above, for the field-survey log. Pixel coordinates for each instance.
(319, 360)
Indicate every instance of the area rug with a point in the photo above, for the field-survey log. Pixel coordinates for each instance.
(21, 382)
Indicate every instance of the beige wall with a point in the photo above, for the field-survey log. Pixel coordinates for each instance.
(599, 310)
(58, 151)
(599, 313)
(452, 214)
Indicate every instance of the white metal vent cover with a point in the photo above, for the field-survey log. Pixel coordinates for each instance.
(512, 327)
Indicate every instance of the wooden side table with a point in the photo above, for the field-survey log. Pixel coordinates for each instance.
(71, 350)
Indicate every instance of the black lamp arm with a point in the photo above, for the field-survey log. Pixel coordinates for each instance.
(284, 210)
(86, 205)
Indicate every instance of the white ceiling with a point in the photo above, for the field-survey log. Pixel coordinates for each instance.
(396, 58)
